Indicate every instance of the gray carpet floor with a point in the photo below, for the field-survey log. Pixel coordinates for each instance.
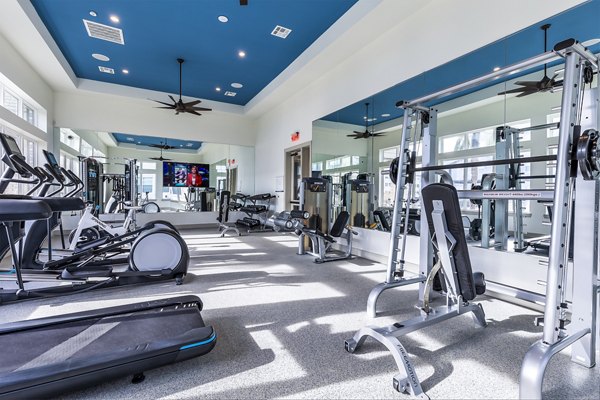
(282, 320)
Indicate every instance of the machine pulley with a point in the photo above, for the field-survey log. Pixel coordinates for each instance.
(588, 155)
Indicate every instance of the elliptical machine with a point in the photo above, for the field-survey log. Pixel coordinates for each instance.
(155, 251)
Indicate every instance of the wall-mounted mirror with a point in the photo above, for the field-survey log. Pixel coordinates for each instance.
(177, 175)
(466, 125)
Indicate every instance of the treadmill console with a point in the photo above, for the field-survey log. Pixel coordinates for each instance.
(10, 146)
(53, 164)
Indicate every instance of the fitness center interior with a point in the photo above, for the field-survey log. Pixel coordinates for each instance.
(358, 199)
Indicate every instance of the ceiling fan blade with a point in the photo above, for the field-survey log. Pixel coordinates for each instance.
(358, 133)
(527, 83)
(167, 107)
(174, 101)
(517, 90)
(192, 103)
(193, 112)
(166, 104)
(378, 134)
(200, 109)
(350, 135)
(527, 93)
(357, 137)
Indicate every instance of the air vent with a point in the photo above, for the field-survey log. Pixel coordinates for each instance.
(104, 32)
(230, 94)
(106, 70)
(281, 32)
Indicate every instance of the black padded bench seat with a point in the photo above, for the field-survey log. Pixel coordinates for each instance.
(469, 286)
(254, 209)
(262, 196)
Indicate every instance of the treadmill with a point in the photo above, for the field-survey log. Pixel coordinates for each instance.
(43, 357)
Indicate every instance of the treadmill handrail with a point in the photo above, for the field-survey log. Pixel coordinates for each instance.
(98, 313)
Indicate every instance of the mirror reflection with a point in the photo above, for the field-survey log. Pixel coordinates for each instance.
(467, 131)
(171, 175)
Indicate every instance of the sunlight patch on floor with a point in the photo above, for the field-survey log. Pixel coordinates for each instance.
(297, 326)
(282, 368)
(221, 247)
(278, 293)
(280, 239)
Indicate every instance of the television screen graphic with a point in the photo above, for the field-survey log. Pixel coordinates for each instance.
(179, 174)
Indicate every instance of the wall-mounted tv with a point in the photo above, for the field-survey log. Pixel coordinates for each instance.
(180, 174)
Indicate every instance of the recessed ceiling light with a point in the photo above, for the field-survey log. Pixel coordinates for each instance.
(125, 71)
(218, 89)
(496, 69)
(189, 145)
(139, 142)
(115, 19)
(223, 18)
(242, 53)
(385, 115)
(100, 57)
(93, 13)
(180, 145)
(237, 85)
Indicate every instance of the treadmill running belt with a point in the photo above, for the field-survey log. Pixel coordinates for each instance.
(87, 339)
(51, 357)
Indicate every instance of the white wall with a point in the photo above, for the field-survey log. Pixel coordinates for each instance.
(111, 113)
(433, 35)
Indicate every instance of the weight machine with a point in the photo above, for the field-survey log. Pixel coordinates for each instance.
(578, 172)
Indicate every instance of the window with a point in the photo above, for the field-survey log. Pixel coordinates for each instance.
(86, 148)
(387, 190)
(11, 102)
(28, 114)
(552, 119)
(148, 165)
(467, 140)
(19, 103)
(148, 184)
(551, 166)
(316, 166)
(29, 150)
(388, 154)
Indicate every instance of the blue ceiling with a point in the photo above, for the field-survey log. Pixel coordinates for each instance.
(157, 32)
(149, 140)
(581, 23)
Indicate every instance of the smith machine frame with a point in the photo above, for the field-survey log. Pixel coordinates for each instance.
(578, 166)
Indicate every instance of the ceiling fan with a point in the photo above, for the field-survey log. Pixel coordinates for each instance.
(543, 85)
(162, 147)
(366, 134)
(179, 106)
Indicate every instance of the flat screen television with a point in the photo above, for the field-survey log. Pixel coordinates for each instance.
(181, 174)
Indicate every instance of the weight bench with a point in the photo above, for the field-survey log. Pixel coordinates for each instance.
(321, 242)
(461, 285)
